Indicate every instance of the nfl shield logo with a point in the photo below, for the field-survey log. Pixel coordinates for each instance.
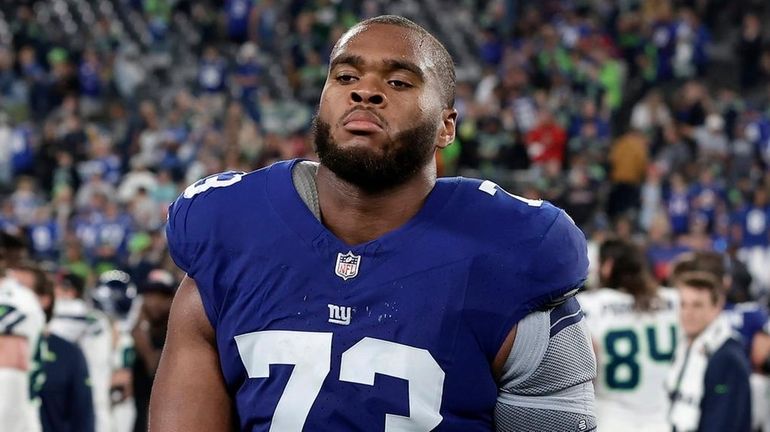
(347, 265)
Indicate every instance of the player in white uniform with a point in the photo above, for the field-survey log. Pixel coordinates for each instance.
(116, 295)
(21, 324)
(78, 322)
(633, 324)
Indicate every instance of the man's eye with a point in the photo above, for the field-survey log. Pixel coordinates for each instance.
(345, 78)
(399, 84)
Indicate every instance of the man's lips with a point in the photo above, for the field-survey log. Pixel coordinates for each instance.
(361, 121)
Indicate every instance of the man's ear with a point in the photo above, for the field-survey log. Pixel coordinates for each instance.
(446, 133)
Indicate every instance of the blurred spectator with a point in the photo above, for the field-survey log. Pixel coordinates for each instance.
(129, 72)
(651, 197)
(25, 200)
(581, 197)
(547, 141)
(77, 322)
(149, 335)
(246, 77)
(674, 154)
(710, 138)
(91, 85)
(212, 76)
(651, 114)
(6, 148)
(239, 19)
(44, 235)
(628, 160)
(709, 388)
(137, 178)
(690, 58)
(752, 230)
(750, 50)
(706, 196)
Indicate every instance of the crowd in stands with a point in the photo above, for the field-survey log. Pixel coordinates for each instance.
(644, 119)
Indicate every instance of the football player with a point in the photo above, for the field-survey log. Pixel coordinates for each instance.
(61, 382)
(363, 294)
(117, 296)
(633, 323)
(21, 326)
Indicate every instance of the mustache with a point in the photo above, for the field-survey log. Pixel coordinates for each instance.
(380, 118)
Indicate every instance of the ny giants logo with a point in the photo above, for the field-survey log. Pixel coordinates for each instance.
(339, 314)
(347, 265)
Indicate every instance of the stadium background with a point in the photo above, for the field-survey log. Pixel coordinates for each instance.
(644, 119)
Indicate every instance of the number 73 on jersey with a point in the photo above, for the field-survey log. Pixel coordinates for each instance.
(310, 353)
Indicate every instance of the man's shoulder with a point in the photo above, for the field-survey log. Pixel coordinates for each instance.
(221, 211)
(214, 199)
(62, 349)
(730, 355)
(530, 247)
(532, 235)
(605, 305)
(487, 210)
(220, 190)
(20, 311)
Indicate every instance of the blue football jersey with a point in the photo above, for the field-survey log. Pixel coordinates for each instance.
(748, 319)
(394, 334)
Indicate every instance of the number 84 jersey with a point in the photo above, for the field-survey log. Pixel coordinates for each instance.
(396, 334)
(634, 354)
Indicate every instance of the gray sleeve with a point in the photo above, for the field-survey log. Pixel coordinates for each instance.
(547, 378)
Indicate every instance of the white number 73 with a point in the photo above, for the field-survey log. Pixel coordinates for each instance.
(310, 353)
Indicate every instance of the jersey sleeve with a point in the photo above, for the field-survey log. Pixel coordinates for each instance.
(196, 222)
(535, 274)
(558, 267)
(181, 234)
(190, 219)
(758, 320)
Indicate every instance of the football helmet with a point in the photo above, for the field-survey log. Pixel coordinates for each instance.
(114, 294)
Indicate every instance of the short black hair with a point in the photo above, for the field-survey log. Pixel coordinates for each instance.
(445, 70)
(69, 280)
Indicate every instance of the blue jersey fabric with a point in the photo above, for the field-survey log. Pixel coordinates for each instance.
(448, 285)
(747, 319)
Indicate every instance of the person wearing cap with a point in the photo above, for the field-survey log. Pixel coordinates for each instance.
(149, 336)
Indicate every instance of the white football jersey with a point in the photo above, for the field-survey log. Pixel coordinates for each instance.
(20, 315)
(634, 351)
(77, 322)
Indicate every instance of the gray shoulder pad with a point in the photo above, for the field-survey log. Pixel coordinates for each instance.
(547, 378)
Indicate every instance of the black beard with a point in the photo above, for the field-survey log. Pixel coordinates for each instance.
(402, 157)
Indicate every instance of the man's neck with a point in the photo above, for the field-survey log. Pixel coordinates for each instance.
(356, 216)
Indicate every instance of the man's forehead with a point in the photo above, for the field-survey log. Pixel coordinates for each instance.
(389, 41)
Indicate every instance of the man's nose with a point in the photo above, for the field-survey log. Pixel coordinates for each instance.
(368, 95)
